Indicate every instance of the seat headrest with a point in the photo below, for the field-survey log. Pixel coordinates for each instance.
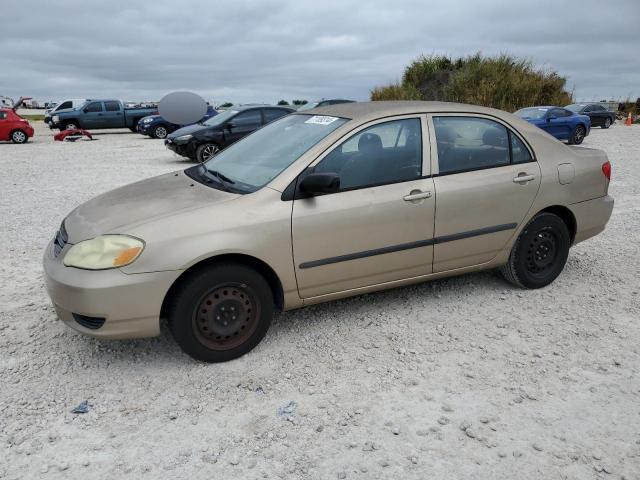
(445, 134)
(369, 142)
(494, 137)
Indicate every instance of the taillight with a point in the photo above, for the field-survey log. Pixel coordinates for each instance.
(606, 169)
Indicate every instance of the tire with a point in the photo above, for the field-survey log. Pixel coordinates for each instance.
(19, 136)
(221, 313)
(607, 123)
(70, 126)
(578, 135)
(160, 132)
(540, 252)
(205, 151)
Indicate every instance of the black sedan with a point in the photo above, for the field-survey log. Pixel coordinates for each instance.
(600, 116)
(202, 141)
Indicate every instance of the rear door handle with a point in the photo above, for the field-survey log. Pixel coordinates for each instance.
(523, 178)
(416, 195)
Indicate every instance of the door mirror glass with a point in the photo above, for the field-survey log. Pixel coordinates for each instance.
(315, 183)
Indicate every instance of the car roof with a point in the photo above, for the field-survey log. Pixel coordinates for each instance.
(247, 107)
(363, 111)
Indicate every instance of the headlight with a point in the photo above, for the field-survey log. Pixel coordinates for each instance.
(147, 120)
(55, 118)
(103, 252)
(184, 138)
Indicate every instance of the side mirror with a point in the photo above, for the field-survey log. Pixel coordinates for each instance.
(315, 183)
(551, 117)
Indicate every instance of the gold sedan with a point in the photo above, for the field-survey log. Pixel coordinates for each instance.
(320, 205)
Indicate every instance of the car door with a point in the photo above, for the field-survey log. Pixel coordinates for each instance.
(486, 182)
(379, 227)
(113, 116)
(598, 115)
(92, 115)
(242, 124)
(4, 126)
(558, 123)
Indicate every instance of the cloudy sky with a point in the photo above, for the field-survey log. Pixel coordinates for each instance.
(262, 51)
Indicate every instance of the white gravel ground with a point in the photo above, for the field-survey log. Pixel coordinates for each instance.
(460, 378)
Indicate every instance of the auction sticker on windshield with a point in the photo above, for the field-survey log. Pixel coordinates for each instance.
(321, 119)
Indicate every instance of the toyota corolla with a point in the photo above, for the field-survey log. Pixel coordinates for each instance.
(320, 205)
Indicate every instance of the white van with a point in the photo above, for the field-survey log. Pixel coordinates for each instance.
(64, 105)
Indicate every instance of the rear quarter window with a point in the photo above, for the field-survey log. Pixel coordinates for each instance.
(3, 115)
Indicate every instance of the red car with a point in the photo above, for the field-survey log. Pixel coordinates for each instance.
(13, 127)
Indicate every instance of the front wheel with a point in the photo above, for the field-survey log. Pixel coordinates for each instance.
(205, 151)
(70, 126)
(160, 132)
(221, 313)
(607, 123)
(540, 252)
(578, 135)
(18, 136)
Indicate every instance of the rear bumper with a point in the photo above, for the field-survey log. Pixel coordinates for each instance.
(591, 216)
(129, 303)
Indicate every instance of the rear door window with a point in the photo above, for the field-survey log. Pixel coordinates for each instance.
(112, 106)
(470, 143)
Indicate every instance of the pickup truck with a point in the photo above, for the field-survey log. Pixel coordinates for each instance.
(98, 114)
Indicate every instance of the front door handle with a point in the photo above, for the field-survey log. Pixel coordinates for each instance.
(416, 195)
(523, 178)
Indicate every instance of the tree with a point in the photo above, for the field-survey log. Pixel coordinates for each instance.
(226, 105)
(503, 82)
(283, 102)
(299, 102)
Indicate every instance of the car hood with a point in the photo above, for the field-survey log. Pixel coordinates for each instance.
(138, 203)
(189, 129)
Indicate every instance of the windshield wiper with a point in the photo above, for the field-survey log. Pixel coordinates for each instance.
(220, 179)
(220, 176)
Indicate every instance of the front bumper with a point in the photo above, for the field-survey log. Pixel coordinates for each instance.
(187, 149)
(144, 128)
(129, 303)
(591, 216)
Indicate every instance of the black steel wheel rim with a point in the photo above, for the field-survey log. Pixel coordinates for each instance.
(226, 316)
(542, 252)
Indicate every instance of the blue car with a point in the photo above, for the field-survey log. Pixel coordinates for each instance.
(155, 126)
(558, 122)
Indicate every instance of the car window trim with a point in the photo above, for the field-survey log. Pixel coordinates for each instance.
(435, 167)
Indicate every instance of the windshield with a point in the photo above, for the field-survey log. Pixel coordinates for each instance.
(575, 107)
(533, 112)
(254, 161)
(308, 106)
(220, 118)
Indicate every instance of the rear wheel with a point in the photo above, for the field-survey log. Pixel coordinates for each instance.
(221, 313)
(205, 151)
(578, 135)
(540, 252)
(160, 132)
(19, 136)
(607, 123)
